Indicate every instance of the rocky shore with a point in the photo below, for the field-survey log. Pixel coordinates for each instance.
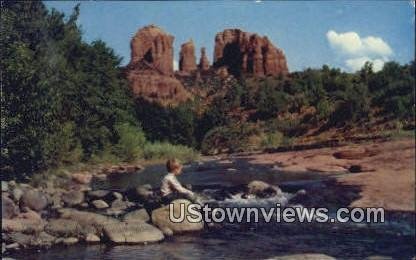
(67, 211)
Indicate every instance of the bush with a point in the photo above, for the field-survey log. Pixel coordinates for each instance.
(272, 140)
(163, 150)
(131, 142)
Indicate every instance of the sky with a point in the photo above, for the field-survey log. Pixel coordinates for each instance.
(342, 34)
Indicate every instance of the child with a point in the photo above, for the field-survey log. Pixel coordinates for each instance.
(171, 188)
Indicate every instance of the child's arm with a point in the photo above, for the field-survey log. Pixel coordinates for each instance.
(175, 185)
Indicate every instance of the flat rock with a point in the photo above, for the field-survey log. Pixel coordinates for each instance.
(303, 257)
(160, 217)
(63, 228)
(137, 215)
(132, 232)
(92, 238)
(98, 194)
(22, 225)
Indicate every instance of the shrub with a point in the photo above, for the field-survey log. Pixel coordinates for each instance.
(163, 150)
(272, 140)
(131, 142)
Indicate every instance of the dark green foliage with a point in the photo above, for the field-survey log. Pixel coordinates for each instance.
(61, 97)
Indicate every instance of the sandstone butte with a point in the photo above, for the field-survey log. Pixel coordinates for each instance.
(248, 53)
(150, 71)
(151, 75)
(187, 63)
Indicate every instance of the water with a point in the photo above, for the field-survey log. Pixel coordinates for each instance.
(252, 240)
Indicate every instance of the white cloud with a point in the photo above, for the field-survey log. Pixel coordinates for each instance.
(355, 64)
(351, 43)
(357, 50)
(175, 65)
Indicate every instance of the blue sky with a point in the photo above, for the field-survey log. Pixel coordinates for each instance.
(311, 33)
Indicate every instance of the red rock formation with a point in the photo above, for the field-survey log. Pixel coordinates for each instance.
(243, 52)
(154, 46)
(187, 63)
(150, 71)
(203, 61)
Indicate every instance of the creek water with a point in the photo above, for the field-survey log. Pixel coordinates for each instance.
(395, 238)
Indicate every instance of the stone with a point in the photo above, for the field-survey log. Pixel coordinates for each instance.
(98, 194)
(91, 222)
(92, 238)
(132, 232)
(22, 225)
(12, 246)
(118, 207)
(70, 241)
(144, 192)
(117, 195)
(27, 213)
(137, 215)
(187, 63)
(203, 61)
(100, 204)
(82, 178)
(33, 199)
(247, 53)
(160, 218)
(8, 208)
(17, 193)
(73, 197)
(150, 71)
(64, 228)
(262, 189)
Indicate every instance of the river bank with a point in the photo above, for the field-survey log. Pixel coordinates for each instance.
(107, 206)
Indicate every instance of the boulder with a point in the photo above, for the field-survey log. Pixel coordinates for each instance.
(92, 238)
(70, 241)
(82, 178)
(33, 199)
(262, 189)
(98, 194)
(118, 207)
(87, 219)
(64, 228)
(17, 193)
(137, 215)
(303, 257)
(117, 195)
(100, 204)
(29, 214)
(73, 197)
(22, 225)
(160, 217)
(132, 232)
(8, 208)
(144, 192)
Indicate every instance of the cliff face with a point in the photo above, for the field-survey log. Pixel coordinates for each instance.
(150, 71)
(187, 63)
(247, 53)
(154, 46)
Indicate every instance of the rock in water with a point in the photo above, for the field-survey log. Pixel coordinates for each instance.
(8, 208)
(187, 62)
(134, 232)
(64, 228)
(33, 199)
(247, 53)
(262, 189)
(160, 217)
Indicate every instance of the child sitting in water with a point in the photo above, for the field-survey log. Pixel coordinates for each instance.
(171, 188)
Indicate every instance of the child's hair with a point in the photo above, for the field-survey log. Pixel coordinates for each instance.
(172, 165)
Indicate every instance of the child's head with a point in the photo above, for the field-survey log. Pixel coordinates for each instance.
(174, 166)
